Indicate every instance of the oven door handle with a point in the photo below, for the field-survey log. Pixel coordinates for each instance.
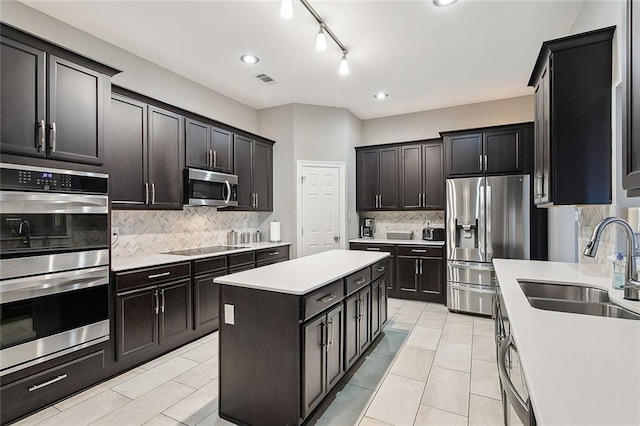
(38, 202)
(43, 285)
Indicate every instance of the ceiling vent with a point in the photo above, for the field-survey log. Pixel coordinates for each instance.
(265, 79)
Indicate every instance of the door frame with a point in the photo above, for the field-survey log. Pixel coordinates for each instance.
(342, 197)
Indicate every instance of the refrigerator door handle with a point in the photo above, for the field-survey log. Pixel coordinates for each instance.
(489, 246)
(482, 220)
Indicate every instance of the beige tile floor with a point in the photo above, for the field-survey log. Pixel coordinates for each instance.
(431, 367)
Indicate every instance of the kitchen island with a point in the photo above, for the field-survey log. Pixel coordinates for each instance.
(290, 331)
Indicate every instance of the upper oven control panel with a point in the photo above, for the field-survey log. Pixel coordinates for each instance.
(30, 178)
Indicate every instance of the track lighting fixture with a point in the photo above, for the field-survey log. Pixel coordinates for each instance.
(286, 11)
(443, 3)
(321, 39)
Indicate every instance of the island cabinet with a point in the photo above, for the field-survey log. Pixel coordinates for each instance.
(53, 100)
(572, 82)
(289, 331)
(391, 260)
(153, 310)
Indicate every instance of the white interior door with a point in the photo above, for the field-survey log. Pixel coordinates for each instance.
(321, 209)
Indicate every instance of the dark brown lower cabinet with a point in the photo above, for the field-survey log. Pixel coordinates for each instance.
(420, 273)
(152, 316)
(323, 362)
(206, 298)
(357, 329)
(378, 306)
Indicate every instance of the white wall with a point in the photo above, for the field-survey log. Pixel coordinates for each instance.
(428, 124)
(137, 74)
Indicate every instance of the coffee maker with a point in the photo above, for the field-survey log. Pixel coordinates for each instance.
(366, 228)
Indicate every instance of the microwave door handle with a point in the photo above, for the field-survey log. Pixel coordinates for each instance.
(228, 198)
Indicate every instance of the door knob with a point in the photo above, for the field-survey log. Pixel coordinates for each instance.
(336, 238)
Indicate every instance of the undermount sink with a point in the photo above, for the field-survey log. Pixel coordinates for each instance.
(586, 308)
(573, 298)
(564, 291)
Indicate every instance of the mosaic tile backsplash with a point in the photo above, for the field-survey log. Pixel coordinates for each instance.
(146, 232)
(404, 221)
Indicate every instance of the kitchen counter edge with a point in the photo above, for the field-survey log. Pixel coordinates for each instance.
(398, 242)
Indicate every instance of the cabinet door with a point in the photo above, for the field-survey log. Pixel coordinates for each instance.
(388, 178)
(503, 151)
(75, 110)
(222, 147)
(411, 177)
(631, 109)
(197, 144)
(364, 325)
(335, 346)
(367, 179)
(433, 175)
(263, 176)
(431, 278)
(465, 154)
(407, 274)
(351, 345)
(314, 386)
(165, 171)
(136, 322)
(126, 152)
(243, 168)
(175, 310)
(383, 301)
(375, 308)
(206, 297)
(538, 143)
(22, 104)
(547, 195)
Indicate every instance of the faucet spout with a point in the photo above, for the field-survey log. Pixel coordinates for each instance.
(631, 272)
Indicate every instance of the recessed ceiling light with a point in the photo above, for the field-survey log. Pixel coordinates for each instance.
(443, 3)
(381, 95)
(249, 59)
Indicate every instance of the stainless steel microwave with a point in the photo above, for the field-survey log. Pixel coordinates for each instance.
(204, 188)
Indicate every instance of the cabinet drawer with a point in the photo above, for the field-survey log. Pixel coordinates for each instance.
(423, 251)
(357, 280)
(387, 248)
(380, 268)
(241, 268)
(147, 276)
(212, 264)
(273, 253)
(322, 299)
(241, 258)
(33, 392)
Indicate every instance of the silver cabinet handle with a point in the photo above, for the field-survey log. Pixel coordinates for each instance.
(153, 193)
(485, 162)
(155, 295)
(418, 251)
(481, 166)
(164, 274)
(361, 281)
(210, 158)
(420, 266)
(146, 192)
(381, 269)
(380, 200)
(162, 307)
(50, 382)
(373, 248)
(40, 140)
(416, 266)
(419, 200)
(331, 334)
(257, 200)
(215, 159)
(274, 253)
(327, 298)
(54, 137)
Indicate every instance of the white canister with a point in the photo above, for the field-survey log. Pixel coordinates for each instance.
(274, 232)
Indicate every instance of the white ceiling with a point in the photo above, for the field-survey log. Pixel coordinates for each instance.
(425, 57)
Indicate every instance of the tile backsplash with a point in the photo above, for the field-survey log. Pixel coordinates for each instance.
(147, 232)
(404, 221)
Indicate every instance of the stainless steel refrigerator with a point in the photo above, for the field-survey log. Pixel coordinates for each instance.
(487, 218)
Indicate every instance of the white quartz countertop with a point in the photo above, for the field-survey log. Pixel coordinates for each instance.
(385, 241)
(302, 275)
(579, 369)
(148, 260)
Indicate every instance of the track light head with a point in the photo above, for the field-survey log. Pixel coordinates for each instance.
(286, 9)
(344, 65)
(321, 39)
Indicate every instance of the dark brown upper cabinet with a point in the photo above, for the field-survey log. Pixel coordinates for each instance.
(52, 103)
(253, 164)
(631, 104)
(572, 81)
(377, 178)
(144, 155)
(421, 176)
(484, 151)
(208, 147)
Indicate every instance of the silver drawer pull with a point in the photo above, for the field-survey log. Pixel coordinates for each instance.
(418, 251)
(381, 269)
(373, 248)
(361, 280)
(164, 274)
(327, 298)
(274, 253)
(50, 382)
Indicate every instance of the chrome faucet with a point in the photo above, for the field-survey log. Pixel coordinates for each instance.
(632, 285)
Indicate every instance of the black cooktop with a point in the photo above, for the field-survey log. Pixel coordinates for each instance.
(203, 250)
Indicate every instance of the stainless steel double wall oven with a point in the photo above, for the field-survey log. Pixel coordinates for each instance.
(54, 263)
